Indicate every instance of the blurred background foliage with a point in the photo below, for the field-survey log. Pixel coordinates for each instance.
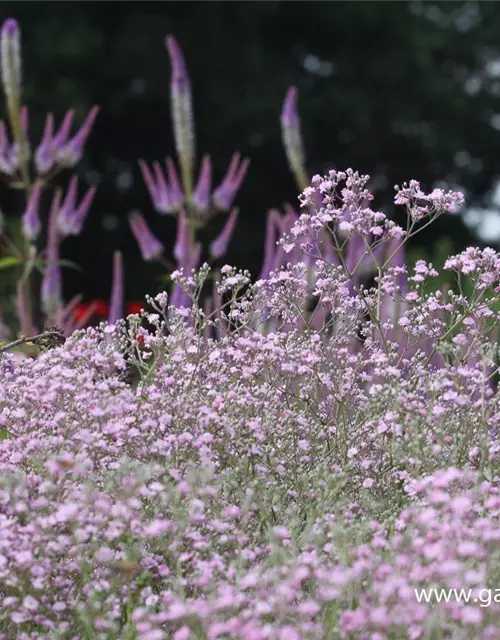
(398, 90)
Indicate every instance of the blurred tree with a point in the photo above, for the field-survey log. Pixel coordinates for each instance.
(396, 90)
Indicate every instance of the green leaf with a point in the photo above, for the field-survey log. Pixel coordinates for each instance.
(10, 261)
(40, 264)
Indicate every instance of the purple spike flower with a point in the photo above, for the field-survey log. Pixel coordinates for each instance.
(10, 45)
(31, 224)
(219, 246)
(116, 302)
(201, 195)
(150, 247)
(292, 138)
(226, 192)
(44, 156)
(71, 152)
(182, 112)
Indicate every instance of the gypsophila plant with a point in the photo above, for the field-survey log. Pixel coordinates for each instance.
(277, 469)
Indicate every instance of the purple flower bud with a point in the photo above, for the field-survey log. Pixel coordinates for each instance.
(201, 195)
(10, 45)
(182, 112)
(71, 153)
(31, 224)
(44, 155)
(150, 247)
(219, 246)
(226, 192)
(292, 138)
(116, 303)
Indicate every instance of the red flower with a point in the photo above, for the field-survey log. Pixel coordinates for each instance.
(135, 307)
(101, 308)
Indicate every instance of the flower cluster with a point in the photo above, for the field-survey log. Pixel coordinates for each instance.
(273, 469)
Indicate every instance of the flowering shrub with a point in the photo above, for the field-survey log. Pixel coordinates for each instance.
(292, 463)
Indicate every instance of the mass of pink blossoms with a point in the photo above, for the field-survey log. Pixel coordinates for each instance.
(278, 469)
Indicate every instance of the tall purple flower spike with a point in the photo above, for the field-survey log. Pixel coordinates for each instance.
(219, 246)
(182, 112)
(31, 224)
(117, 295)
(225, 193)
(151, 248)
(71, 218)
(292, 138)
(201, 194)
(10, 46)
